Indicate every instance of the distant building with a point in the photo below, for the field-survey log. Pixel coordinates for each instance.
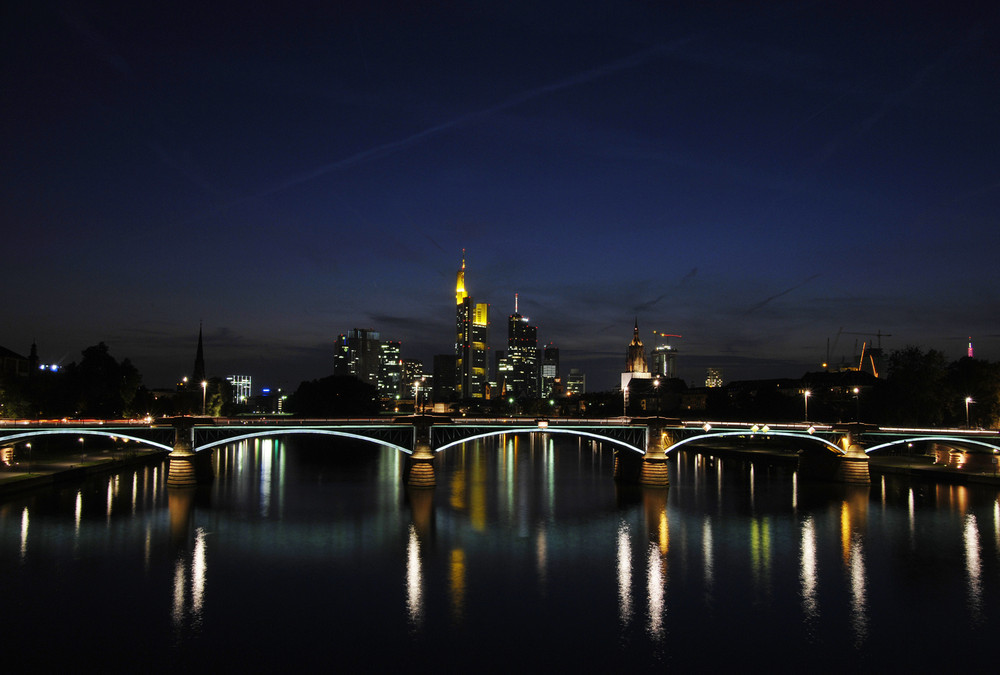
(635, 363)
(576, 382)
(522, 356)
(713, 378)
(241, 388)
(550, 370)
(472, 338)
(357, 354)
(664, 359)
(445, 377)
(390, 371)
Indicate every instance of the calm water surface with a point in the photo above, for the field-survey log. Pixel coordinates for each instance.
(527, 555)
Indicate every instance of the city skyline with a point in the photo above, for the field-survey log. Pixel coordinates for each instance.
(758, 179)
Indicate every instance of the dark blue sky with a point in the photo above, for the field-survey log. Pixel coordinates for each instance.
(754, 176)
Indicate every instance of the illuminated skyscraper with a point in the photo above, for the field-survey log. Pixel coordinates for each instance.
(472, 330)
(522, 356)
(550, 370)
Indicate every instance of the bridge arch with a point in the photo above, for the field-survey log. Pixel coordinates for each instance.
(537, 430)
(833, 447)
(287, 432)
(949, 439)
(82, 432)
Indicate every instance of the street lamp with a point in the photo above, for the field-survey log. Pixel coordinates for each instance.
(857, 401)
(204, 390)
(656, 388)
(805, 399)
(968, 400)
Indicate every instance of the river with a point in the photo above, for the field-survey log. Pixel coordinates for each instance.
(308, 553)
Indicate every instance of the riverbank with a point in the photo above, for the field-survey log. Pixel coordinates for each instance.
(27, 476)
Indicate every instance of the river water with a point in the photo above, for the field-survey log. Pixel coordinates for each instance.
(527, 555)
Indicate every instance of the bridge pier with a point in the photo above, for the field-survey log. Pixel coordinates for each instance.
(186, 468)
(420, 465)
(851, 467)
(654, 462)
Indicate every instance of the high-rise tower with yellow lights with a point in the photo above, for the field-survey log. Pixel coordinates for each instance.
(472, 330)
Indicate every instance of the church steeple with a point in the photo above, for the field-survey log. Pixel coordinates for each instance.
(199, 362)
(636, 353)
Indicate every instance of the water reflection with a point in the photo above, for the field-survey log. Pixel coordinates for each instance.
(189, 598)
(808, 572)
(414, 580)
(527, 537)
(624, 567)
(24, 532)
(656, 585)
(973, 567)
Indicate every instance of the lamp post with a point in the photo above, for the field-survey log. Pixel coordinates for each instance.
(968, 400)
(857, 403)
(204, 390)
(805, 399)
(656, 389)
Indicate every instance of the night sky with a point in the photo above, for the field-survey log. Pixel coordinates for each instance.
(757, 177)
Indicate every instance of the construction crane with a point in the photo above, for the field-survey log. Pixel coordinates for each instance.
(872, 351)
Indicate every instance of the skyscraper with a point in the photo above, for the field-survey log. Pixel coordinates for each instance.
(358, 354)
(550, 370)
(472, 328)
(522, 356)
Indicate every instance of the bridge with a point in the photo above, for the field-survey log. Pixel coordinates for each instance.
(642, 445)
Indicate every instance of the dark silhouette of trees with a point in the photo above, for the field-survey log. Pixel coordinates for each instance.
(99, 386)
(334, 396)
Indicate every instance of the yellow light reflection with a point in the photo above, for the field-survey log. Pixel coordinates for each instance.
(457, 576)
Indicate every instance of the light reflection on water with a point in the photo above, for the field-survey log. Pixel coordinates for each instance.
(529, 542)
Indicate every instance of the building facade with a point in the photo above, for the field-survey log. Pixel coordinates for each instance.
(472, 337)
(522, 377)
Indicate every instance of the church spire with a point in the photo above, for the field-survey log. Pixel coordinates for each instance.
(199, 361)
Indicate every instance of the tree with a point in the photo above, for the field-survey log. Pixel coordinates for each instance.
(335, 396)
(916, 390)
(101, 387)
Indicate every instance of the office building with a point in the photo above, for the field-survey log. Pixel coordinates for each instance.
(472, 328)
